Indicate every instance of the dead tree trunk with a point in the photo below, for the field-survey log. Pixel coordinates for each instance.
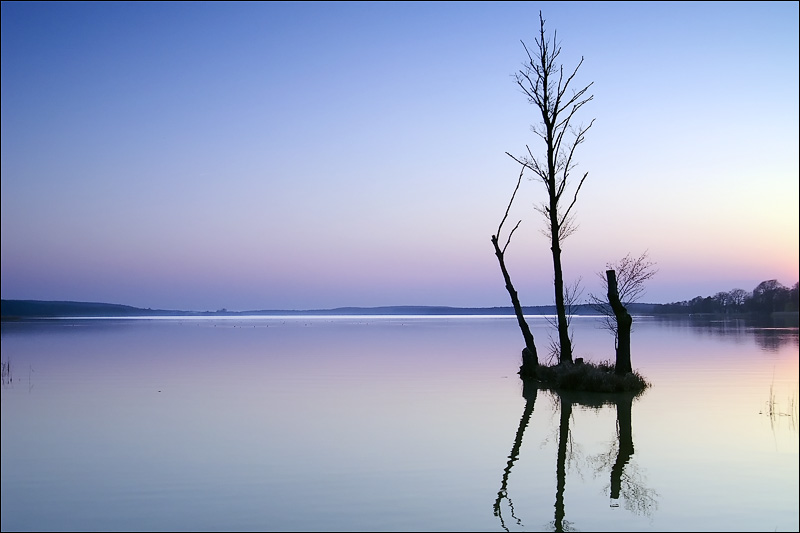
(564, 342)
(530, 359)
(624, 323)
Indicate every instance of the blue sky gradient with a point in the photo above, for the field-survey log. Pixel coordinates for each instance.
(312, 155)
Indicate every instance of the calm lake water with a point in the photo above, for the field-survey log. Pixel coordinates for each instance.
(391, 424)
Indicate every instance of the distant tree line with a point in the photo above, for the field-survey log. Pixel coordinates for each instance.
(768, 297)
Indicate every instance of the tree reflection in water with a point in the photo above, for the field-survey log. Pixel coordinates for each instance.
(529, 393)
(626, 482)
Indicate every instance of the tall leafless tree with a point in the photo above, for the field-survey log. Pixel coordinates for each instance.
(549, 88)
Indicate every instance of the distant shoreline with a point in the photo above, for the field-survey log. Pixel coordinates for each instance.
(16, 310)
(11, 309)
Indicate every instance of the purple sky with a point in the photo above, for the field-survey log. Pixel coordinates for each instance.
(298, 156)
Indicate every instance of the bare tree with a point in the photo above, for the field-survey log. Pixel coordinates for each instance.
(632, 273)
(530, 360)
(546, 85)
(624, 284)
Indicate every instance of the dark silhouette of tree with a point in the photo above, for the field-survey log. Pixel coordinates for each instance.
(769, 296)
(624, 282)
(794, 298)
(624, 324)
(546, 85)
(530, 359)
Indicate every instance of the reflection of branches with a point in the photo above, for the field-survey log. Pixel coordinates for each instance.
(626, 481)
(638, 498)
(773, 339)
(602, 462)
(512, 457)
(561, 467)
(768, 333)
(564, 525)
(568, 455)
(567, 452)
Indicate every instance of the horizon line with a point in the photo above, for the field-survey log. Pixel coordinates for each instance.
(298, 310)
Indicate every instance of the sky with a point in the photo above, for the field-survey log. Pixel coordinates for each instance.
(248, 156)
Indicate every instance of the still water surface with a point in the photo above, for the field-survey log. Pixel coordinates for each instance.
(391, 424)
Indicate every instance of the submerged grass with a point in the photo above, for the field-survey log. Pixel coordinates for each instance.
(773, 409)
(587, 377)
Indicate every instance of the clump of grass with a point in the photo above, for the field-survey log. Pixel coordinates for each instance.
(588, 377)
(774, 410)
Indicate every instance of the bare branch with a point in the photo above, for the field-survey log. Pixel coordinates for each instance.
(574, 199)
(519, 180)
(579, 135)
(572, 295)
(632, 273)
(509, 236)
(566, 227)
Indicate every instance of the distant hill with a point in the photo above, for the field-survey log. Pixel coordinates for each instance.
(56, 309)
(51, 309)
